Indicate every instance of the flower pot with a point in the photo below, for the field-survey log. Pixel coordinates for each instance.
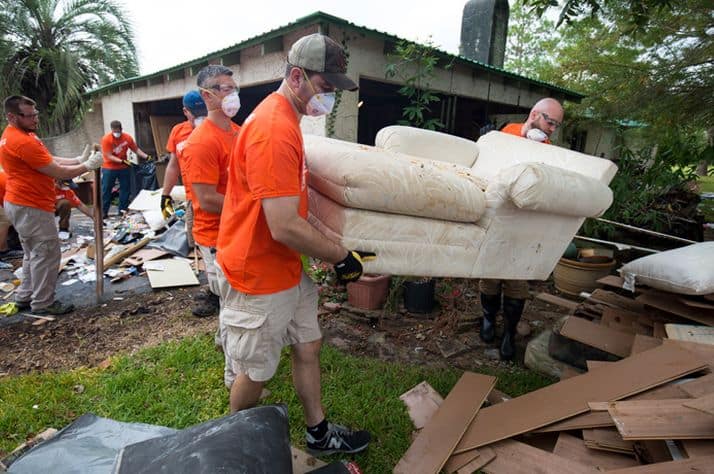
(369, 292)
(573, 277)
(419, 296)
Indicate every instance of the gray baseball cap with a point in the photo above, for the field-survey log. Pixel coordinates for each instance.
(322, 54)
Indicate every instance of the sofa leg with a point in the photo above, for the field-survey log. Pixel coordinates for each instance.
(490, 305)
(512, 311)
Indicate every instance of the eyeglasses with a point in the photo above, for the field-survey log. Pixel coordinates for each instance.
(32, 115)
(550, 121)
(225, 88)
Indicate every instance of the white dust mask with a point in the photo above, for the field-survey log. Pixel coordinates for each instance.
(536, 134)
(231, 104)
(320, 104)
(116, 134)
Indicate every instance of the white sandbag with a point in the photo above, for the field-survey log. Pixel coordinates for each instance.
(365, 177)
(427, 144)
(687, 270)
(544, 188)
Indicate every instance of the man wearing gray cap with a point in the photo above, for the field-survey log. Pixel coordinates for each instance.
(267, 300)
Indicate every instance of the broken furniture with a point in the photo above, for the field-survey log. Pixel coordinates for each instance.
(431, 204)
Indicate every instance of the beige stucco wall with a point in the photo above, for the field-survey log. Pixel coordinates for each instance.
(71, 144)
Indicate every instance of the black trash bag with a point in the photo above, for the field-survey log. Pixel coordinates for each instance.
(173, 241)
(146, 175)
(252, 441)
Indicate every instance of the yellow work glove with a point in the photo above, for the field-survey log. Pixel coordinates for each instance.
(8, 309)
(167, 206)
(350, 268)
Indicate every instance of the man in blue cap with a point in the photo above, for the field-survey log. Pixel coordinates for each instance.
(194, 109)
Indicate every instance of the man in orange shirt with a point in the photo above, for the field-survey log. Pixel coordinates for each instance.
(267, 301)
(30, 202)
(116, 167)
(543, 120)
(206, 166)
(66, 200)
(194, 108)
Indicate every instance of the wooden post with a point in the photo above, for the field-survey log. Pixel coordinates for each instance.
(98, 234)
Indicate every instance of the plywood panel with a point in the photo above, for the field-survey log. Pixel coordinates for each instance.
(568, 398)
(573, 448)
(600, 337)
(660, 419)
(436, 441)
(702, 464)
(513, 457)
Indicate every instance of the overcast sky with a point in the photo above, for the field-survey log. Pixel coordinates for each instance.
(170, 32)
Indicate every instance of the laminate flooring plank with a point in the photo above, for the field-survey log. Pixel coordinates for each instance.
(660, 419)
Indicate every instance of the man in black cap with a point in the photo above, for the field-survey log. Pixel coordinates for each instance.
(267, 300)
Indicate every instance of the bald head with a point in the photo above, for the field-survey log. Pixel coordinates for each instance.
(546, 115)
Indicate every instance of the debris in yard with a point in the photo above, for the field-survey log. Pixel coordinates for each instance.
(451, 347)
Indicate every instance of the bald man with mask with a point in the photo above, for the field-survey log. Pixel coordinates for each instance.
(544, 119)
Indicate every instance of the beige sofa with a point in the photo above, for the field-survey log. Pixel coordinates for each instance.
(431, 204)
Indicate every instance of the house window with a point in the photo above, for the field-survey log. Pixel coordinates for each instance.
(578, 139)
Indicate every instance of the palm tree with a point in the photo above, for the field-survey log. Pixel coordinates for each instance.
(55, 50)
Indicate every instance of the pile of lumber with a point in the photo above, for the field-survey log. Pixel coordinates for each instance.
(648, 407)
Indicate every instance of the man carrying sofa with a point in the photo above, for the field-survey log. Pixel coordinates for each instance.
(543, 120)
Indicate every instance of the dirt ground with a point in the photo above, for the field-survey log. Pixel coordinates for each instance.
(89, 336)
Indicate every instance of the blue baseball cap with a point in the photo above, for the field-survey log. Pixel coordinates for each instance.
(195, 104)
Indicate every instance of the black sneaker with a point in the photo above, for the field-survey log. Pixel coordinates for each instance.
(338, 440)
(56, 308)
(206, 304)
(22, 305)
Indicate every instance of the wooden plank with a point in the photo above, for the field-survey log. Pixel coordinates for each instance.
(513, 457)
(593, 419)
(422, 402)
(696, 303)
(303, 462)
(436, 441)
(612, 281)
(705, 404)
(700, 387)
(660, 419)
(702, 464)
(619, 315)
(121, 255)
(607, 439)
(485, 456)
(613, 299)
(568, 398)
(663, 392)
(595, 335)
(596, 364)
(668, 302)
(644, 343)
(570, 447)
(170, 272)
(568, 372)
(557, 300)
(696, 448)
(144, 255)
(658, 330)
(704, 352)
(691, 333)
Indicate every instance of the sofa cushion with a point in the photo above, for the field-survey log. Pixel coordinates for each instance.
(544, 188)
(427, 144)
(366, 177)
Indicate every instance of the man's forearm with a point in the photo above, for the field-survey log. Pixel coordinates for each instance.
(173, 170)
(302, 237)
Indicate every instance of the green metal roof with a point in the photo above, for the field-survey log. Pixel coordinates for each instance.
(321, 17)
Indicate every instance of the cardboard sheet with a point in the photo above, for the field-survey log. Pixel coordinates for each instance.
(568, 398)
(436, 441)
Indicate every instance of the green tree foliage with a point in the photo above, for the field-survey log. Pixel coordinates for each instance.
(531, 42)
(415, 65)
(55, 50)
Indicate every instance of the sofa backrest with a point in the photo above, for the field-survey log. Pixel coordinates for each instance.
(499, 150)
(428, 144)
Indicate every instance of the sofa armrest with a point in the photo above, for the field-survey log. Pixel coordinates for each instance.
(545, 188)
(427, 144)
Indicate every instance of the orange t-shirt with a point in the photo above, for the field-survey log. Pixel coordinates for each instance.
(67, 194)
(176, 144)
(3, 182)
(22, 153)
(205, 158)
(515, 129)
(267, 161)
(118, 148)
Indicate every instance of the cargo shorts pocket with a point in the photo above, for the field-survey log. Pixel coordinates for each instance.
(245, 335)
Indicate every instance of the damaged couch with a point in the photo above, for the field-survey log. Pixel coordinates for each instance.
(431, 204)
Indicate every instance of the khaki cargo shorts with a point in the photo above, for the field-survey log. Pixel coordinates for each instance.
(254, 328)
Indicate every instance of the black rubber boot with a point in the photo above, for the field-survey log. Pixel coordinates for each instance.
(512, 311)
(490, 305)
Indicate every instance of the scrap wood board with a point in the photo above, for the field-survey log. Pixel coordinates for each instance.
(568, 398)
(514, 457)
(485, 455)
(607, 439)
(705, 404)
(691, 333)
(644, 343)
(700, 387)
(660, 419)
(613, 299)
(696, 448)
(600, 337)
(144, 255)
(669, 303)
(422, 402)
(169, 272)
(557, 300)
(437, 439)
(704, 352)
(573, 448)
(702, 464)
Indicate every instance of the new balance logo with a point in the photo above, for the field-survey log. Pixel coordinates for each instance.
(334, 443)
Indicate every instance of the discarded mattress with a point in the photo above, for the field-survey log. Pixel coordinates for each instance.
(430, 204)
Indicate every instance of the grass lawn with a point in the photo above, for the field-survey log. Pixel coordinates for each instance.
(706, 185)
(181, 384)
